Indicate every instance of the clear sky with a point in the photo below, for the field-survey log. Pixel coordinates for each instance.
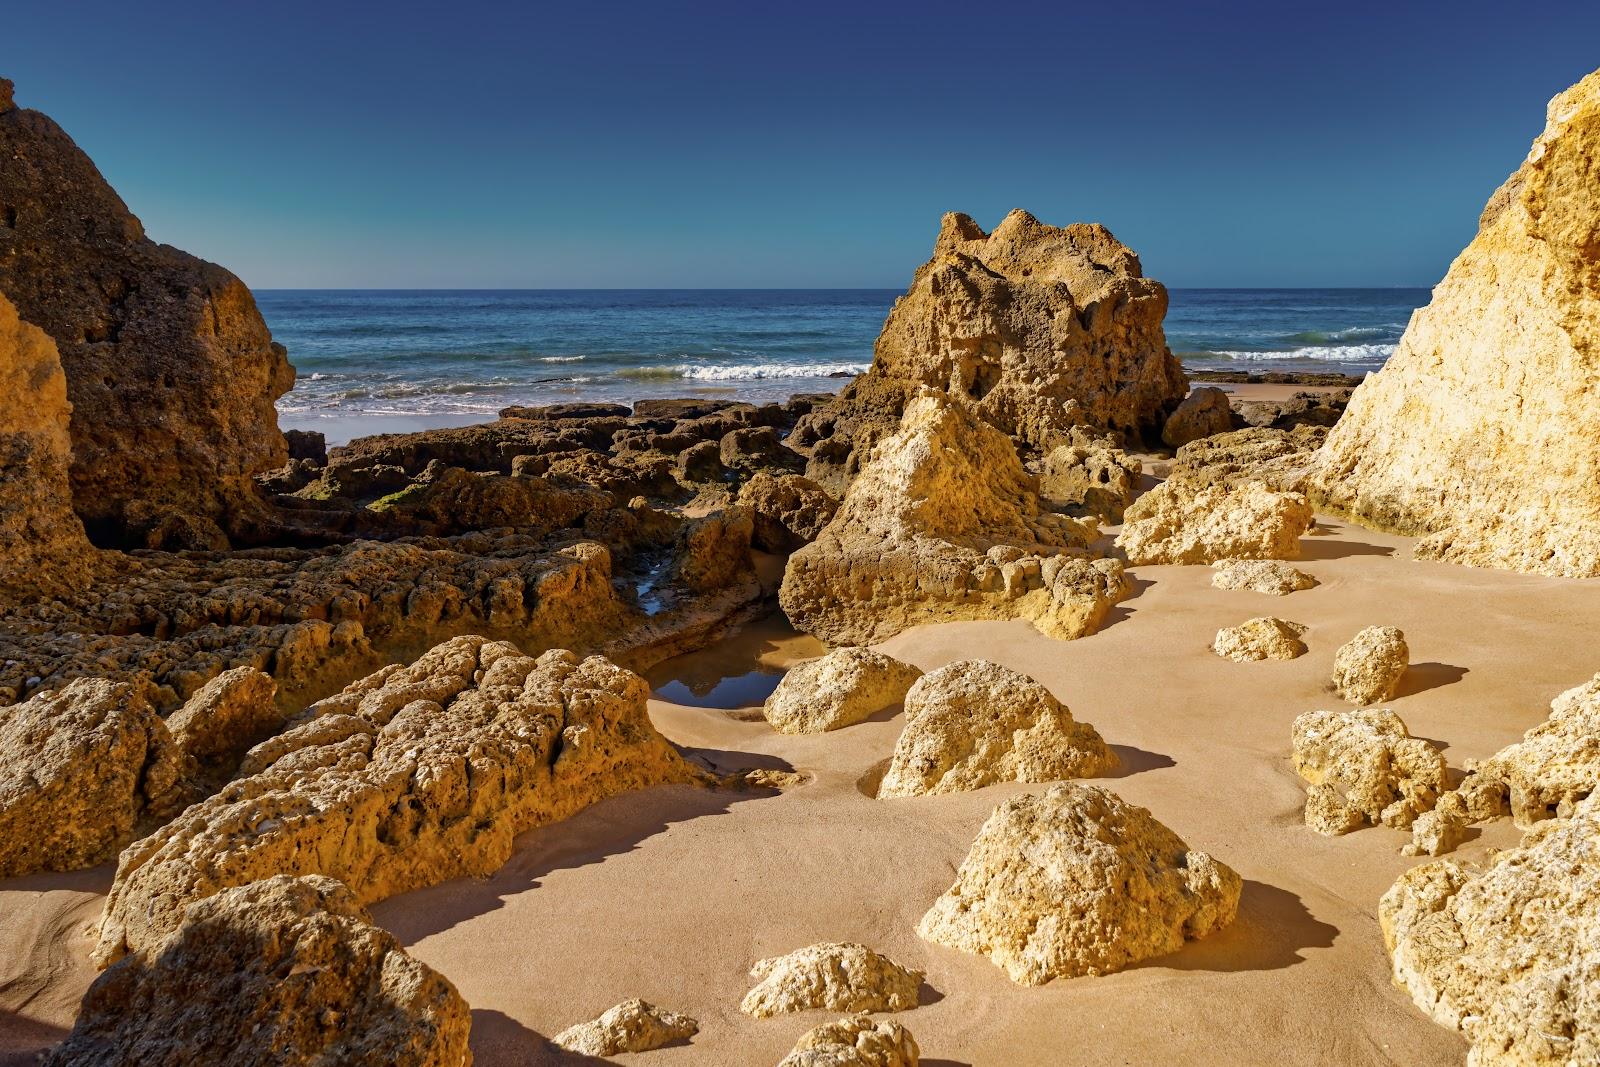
(479, 144)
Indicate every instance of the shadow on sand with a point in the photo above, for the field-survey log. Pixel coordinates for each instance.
(498, 1039)
(1134, 761)
(1272, 932)
(1421, 677)
(1121, 610)
(23, 1040)
(1327, 547)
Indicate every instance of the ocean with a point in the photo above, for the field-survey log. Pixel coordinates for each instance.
(370, 360)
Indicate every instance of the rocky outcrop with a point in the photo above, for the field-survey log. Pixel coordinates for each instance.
(1270, 576)
(1363, 768)
(1547, 774)
(171, 372)
(972, 723)
(43, 550)
(410, 776)
(80, 768)
(1368, 669)
(1509, 954)
(943, 525)
(229, 714)
(1035, 329)
(1076, 881)
(788, 510)
(1204, 412)
(1090, 477)
(847, 686)
(632, 1026)
(855, 1042)
(280, 971)
(1478, 433)
(1258, 639)
(841, 976)
(1181, 522)
(1319, 408)
(1281, 460)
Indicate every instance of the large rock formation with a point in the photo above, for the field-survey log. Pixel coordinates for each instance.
(1364, 768)
(841, 976)
(1479, 432)
(80, 768)
(845, 687)
(171, 372)
(408, 777)
(1035, 328)
(43, 550)
(945, 524)
(280, 971)
(1509, 954)
(972, 723)
(1076, 881)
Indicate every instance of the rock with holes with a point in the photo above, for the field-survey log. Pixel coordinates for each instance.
(1258, 639)
(789, 510)
(833, 977)
(1204, 412)
(1076, 881)
(945, 524)
(1478, 433)
(632, 1026)
(81, 768)
(410, 776)
(855, 1042)
(275, 972)
(972, 723)
(1271, 576)
(1508, 954)
(1181, 522)
(842, 688)
(230, 714)
(1369, 668)
(1364, 768)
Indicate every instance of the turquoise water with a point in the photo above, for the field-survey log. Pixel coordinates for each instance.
(446, 355)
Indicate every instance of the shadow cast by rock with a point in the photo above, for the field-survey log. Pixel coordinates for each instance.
(1420, 677)
(500, 1041)
(1131, 761)
(24, 1040)
(1273, 931)
(1121, 610)
(1328, 547)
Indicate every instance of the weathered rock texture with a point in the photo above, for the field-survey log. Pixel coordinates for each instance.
(1364, 768)
(229, 714)
(1204, 412)
(408, 777)
(839, 976)
(1368, 669)
(1076, 881)
(972, 723)
(80, 768)
(840, 689)
(1090, 477)
(276, 972)
(855, 1042)
(1479, 431)
(944, 524)
(171, 372)
(43, 550)
(1034, 328)
(789, 510)
(1271, 576)
(1509, 954)
(1258, 639)
(1181, 522)
(632, 1026)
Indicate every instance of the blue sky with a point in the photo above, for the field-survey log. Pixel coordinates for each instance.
(479, 144)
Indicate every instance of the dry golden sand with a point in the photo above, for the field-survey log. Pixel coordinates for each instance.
(673, 893)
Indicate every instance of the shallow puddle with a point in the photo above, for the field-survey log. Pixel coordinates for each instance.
(739, 671)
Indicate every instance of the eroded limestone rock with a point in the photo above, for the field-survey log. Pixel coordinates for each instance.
(1076, 881)
(833, 976)
(1181, 522)
(410, 776)
(80, 768)
(1368, 669)
(789, 510)
(1271, 576)
(855, 1042)
(1478, 433)
(229, 714)
(1204, 412)
(944, 524)
(1364, 768)
(1258, 639)
(1508, 954)
(1091, 477)
(973, 723)
(279, 971)
(632, 1026)
(842, 688)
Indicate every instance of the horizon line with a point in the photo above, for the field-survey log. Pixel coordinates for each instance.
(757, 289)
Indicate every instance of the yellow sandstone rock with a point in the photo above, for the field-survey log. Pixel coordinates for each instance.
(841, 976)
(1258, 639)
(855, 1042)
(1368, 669)
(632, 1026)
(1364, 768)
(845, 687)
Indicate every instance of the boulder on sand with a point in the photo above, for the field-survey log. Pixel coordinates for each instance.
(1181, 522)
(842, 688)
(1076, 881)
(972, 723)
(855, 1042)
(1258, 639)
(1368, 669)
(1204, 412)
(1364, 768)
(632, 1026)
(840, 976)
(1271, 576)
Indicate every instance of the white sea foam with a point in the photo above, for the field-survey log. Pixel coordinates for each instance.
(719, 372)
(562, 359)
(1369, 353)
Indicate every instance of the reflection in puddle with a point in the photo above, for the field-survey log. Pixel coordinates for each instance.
(739, 671)
(739, 691)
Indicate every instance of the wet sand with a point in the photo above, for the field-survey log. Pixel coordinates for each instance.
(671, 894)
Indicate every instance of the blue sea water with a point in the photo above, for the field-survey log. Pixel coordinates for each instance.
(451, 355)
